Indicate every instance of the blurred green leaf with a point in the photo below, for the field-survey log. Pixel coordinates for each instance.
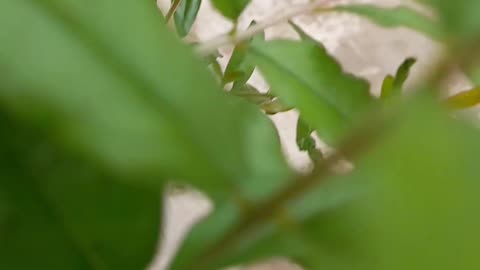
(410, 201)
(185, 15)
(123, 91)
(464, 99)
(459, 18)
(231, 8)
(396, 17)
(327, 98)
(393, 86)
(61, 212)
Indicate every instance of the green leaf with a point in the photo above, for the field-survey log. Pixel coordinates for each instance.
(238, 70)
(459, 18)
(305, 140)
(328, 99)
(231, 8)
(185, 15)
(282, 235)
(464, 99)
(393, 86)
(61, 212)
(396, 17)
(387, 87)
(113, 84)
(252, 95)
(408, 203)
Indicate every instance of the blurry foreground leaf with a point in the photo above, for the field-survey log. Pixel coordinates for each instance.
(408, 203)
(327, 98)
(459, 18)
(60, 212)
(124, 92)
(185, 15)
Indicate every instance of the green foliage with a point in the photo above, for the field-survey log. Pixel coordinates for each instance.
(305, 141)
(459, 18)
(393, 86)
(100, 107)
(396, 17)
(185, 15)
(231, 8)
(314, 83)
(62, 212)
(238, 70)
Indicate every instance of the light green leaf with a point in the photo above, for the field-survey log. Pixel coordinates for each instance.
(61, 212)
(407, 204)
(328, 99)
(185, 15)
(231, 8)
(396, 17)
(112, 83)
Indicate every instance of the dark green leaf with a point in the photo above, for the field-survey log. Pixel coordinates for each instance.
(396, 17)
(402, 74)
(123, 91)
(393, 86)
(231, 8)
(328, 99)
(305, 140)
(60, 212)
(185, 15)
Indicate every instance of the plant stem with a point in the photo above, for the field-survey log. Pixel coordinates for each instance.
(351, 148)
(212, 45)
(172, 10)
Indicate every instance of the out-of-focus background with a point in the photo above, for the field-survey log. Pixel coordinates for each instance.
(361, 47)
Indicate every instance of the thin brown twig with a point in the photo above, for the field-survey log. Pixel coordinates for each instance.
(172, 10)
(351, 148)
(294, 11)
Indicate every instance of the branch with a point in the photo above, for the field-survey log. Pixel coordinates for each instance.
(172, 10)
(351, 148)
(294, 11)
